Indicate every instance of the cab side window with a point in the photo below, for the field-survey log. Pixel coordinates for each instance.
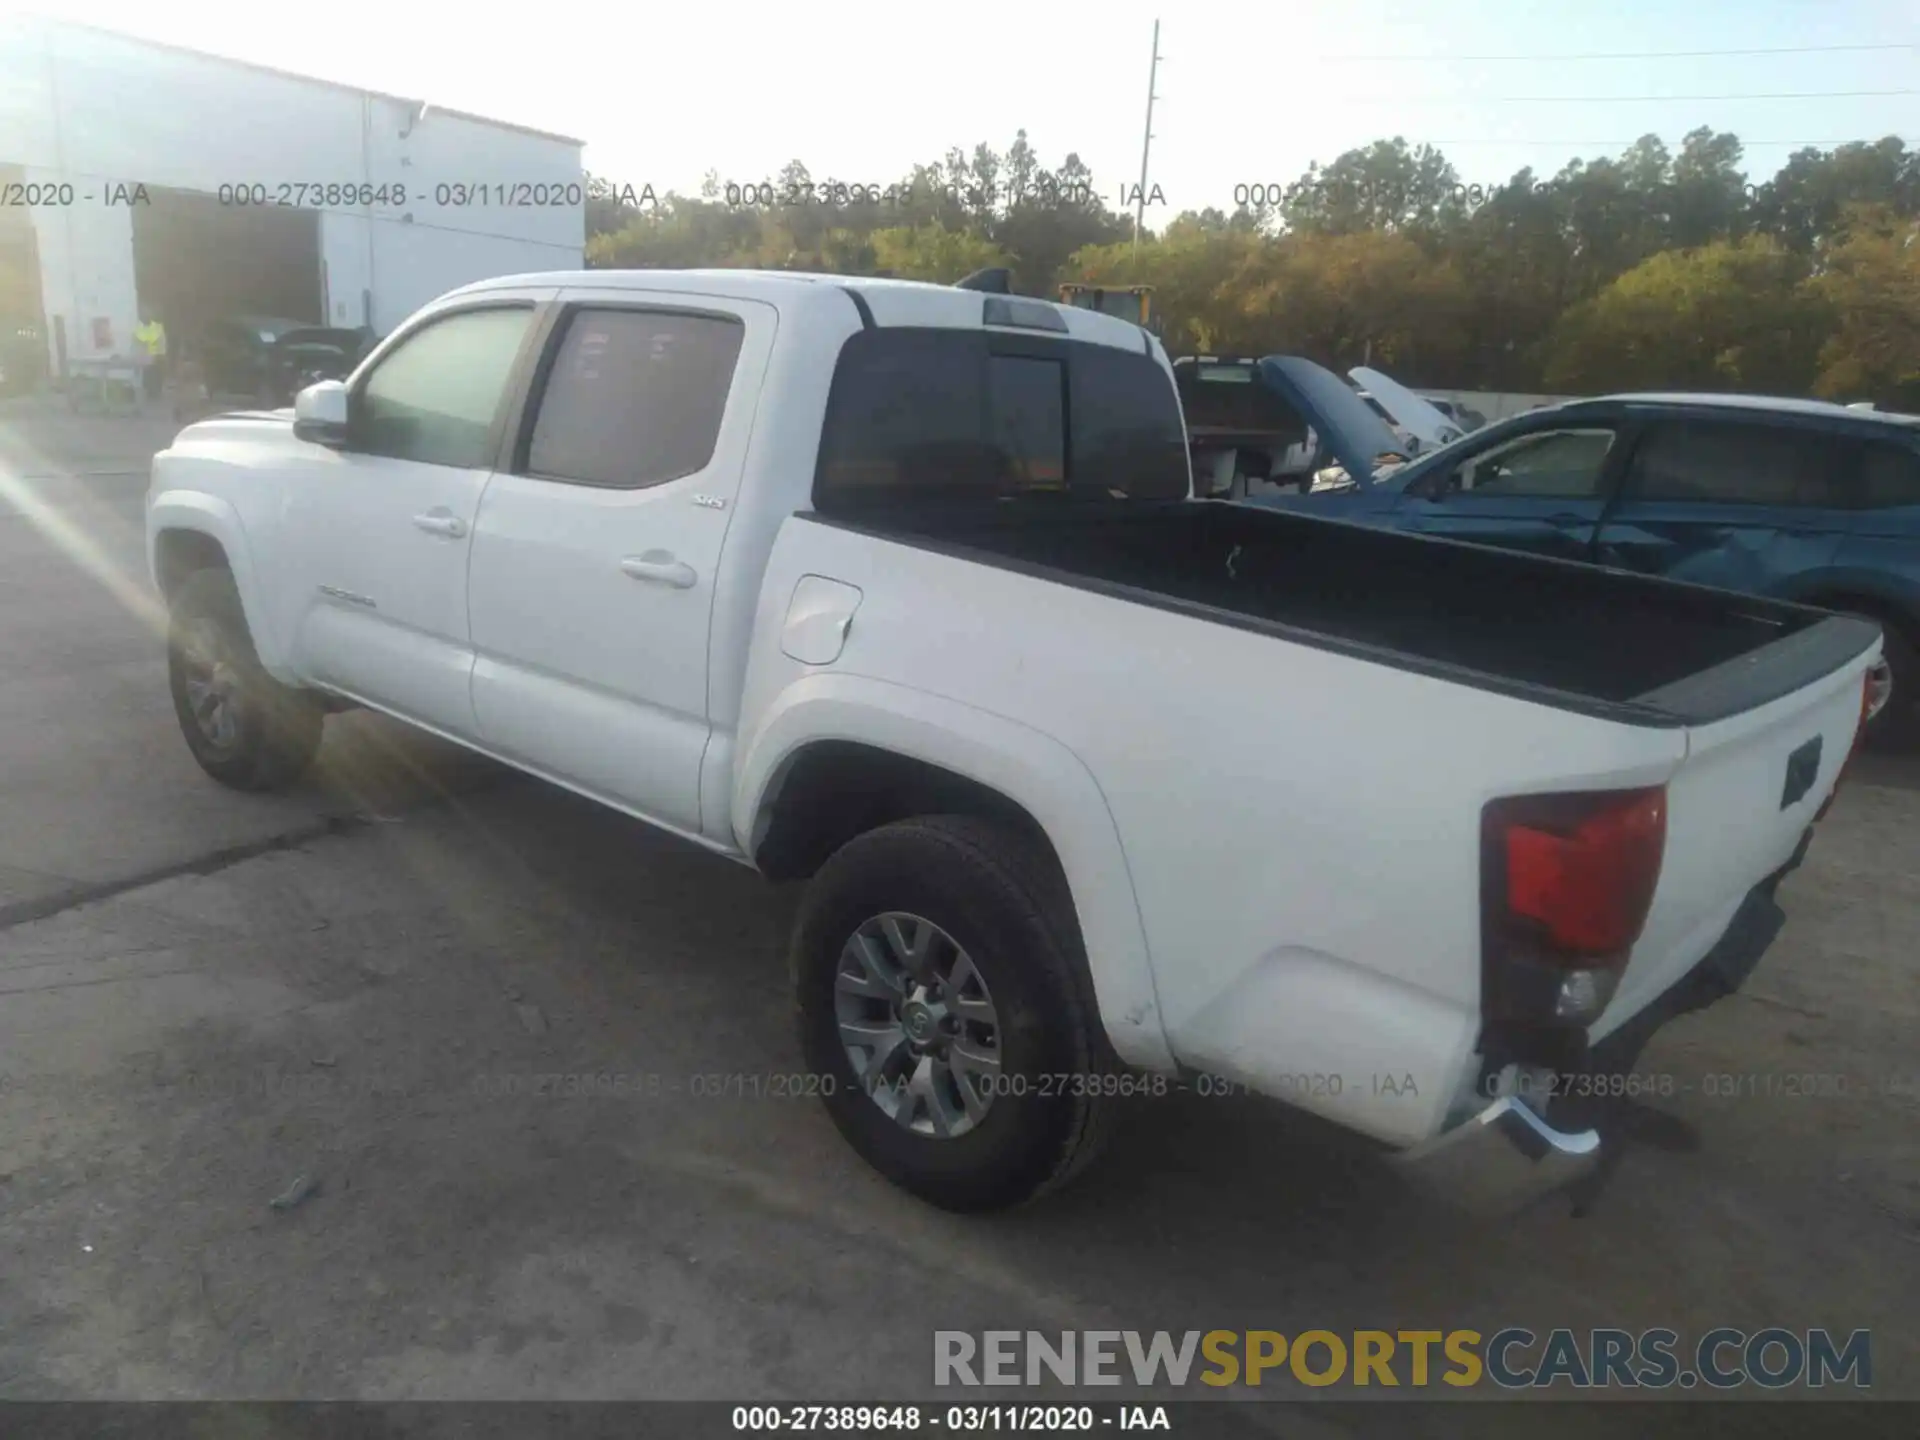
(434, 398)
(1553, 464)
(1889, 476)
(1727, 462)
(635, 398)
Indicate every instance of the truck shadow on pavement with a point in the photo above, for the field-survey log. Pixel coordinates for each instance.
(473, 1101)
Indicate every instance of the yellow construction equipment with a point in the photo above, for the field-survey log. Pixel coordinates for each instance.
(1129, 302)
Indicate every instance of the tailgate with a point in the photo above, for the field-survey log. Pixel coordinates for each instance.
(1746, 792)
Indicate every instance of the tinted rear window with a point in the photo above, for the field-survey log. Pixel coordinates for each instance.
(953, 414)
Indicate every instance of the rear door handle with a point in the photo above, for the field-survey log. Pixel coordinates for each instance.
(441, 522)
(660, 567)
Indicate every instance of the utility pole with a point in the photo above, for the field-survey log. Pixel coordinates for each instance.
(1146, 144)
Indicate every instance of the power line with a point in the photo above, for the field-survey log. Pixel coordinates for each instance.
(1636, 99)
(1628, 54)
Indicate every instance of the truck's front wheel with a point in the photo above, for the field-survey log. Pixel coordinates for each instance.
(939, 1009)
(245, 728)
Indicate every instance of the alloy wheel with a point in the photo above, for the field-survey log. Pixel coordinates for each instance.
(918, 1025)
(212, 684)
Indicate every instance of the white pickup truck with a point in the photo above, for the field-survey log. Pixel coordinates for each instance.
(901, 589)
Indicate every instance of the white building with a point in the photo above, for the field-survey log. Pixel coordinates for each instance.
(133, 173)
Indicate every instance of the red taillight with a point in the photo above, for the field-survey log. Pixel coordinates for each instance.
(1586, 878)
(1566, 884)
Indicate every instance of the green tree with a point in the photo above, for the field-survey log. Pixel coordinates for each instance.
(1389, 185)
(1706, 195)
(1870, 277)
(1804, 201)
(1515, 258)
(1614, 214)
(1194, 273)
(1733, 315)
(1645, 267)
(929, 252)
(609, 209)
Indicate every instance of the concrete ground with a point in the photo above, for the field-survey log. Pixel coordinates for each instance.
(206, 998)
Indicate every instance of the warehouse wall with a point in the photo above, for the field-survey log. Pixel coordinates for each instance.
(96, 111)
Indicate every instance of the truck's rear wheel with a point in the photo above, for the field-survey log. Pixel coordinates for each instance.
(245, 728)
(939, 1006)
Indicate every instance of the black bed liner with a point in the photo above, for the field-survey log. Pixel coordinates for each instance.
(1601, 642)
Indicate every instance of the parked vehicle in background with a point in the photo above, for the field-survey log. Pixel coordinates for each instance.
(902, 590)
(1421, 424)
(1250, 438)
(1401, 434)
(1127, 302)
(1793, 499)
(1244, 439)
(268, 360)
(1462, 415)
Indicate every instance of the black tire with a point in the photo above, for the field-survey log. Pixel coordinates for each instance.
(271, 730)
(1001, 897)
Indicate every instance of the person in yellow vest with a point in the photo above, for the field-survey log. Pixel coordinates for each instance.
(151, 336)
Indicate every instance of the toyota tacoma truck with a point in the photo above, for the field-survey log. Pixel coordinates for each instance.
(902, 590)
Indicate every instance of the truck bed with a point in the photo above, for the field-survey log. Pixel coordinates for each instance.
(1651, 652)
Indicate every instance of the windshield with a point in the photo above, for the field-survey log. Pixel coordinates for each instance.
(1401, 476)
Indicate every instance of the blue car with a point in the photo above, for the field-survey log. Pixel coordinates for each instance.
(1793, 499)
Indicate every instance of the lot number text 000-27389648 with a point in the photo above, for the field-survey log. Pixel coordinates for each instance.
(469, 194)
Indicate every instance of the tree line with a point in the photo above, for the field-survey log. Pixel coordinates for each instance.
(1649, 269)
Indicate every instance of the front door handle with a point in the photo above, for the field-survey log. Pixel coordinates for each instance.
(661, 567)
(441, 522)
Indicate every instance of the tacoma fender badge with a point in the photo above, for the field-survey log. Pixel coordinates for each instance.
(348, 596)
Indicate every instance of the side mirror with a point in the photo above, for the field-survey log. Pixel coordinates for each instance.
(320, 413)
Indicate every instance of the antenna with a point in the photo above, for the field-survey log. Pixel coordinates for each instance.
(1146, 144)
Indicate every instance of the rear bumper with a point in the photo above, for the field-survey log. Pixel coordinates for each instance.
(1509, 1155)
(1500, 1161)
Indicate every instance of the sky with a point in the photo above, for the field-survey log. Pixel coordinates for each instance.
(1246, 93)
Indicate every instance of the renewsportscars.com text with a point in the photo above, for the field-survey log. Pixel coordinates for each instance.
(1512, 1358)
